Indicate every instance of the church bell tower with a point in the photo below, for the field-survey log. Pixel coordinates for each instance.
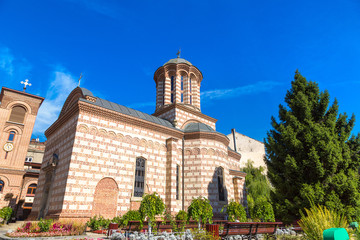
(178, 93)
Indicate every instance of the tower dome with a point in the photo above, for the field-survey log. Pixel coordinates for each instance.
(178, 60)
(178, 82)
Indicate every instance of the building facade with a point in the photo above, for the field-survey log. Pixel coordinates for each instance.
(102, 157)
(18, 112)
(249, 148)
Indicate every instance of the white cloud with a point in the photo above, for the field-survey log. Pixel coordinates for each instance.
(239, 91)
(6, 61)
(61, 85)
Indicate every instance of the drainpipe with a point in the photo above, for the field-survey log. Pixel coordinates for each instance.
(183, 174)
(233, 133)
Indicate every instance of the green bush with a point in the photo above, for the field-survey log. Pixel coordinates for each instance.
(200, 210)
(117, 220)
(202, 234)
(263, 210)
(235, 211)
(318, 218)
(44, 224)
(5, 213)
(181, 216)
(94, 223)
(131, 215)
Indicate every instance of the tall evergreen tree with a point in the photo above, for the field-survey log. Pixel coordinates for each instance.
(310, 154)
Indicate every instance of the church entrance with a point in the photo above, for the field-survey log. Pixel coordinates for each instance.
(105, 198)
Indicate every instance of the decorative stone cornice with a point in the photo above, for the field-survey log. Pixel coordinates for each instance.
(208, 135)
(184, 108)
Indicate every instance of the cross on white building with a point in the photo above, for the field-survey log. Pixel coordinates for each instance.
(26, 83)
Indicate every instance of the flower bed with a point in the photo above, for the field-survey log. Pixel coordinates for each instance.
(48, 228)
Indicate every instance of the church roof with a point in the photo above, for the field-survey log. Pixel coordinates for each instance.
(125, 110)
(198, 127)
(178, 60)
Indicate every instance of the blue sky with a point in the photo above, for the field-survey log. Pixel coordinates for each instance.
(247, 51)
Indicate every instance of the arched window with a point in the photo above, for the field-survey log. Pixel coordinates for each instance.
(139, 177)
(11, 137)
(163, 93)
(220, 177)
(190, 88)
(17, 114)
(177, 181)
(172, 88)
(2, 184)
(31, 189)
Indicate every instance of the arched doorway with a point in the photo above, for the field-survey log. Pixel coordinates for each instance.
(105, 198)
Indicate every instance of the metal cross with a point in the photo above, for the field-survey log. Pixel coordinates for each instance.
(178, 53)
(26, 83)
(81, 75)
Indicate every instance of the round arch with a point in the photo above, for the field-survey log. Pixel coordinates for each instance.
(105, 198)
(21, 104)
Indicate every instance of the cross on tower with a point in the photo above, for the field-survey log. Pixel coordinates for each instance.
(26, 83)
(178, 53)
(81, 75)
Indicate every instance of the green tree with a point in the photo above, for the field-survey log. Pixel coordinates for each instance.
(151, 205)
(258, 193)
(200, 210)
(310, 154)
(235, 211)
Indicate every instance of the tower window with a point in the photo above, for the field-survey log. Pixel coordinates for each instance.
(190, 84)
(172, 83)
(139, 177)
(163, 93)
(190, 99)
(2, 186)
(177, 181)
(220, 177)
(31, 189)
(17, 114)
(28, 159)
(182, 83)
(172, 88)
(11, 136)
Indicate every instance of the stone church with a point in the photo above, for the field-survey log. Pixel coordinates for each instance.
(102, 157)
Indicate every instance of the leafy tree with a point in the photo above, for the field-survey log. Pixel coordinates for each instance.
(235, 211)
(310, 154)
(200, 210)
(256, 181)
(151, 205)
(258, 193)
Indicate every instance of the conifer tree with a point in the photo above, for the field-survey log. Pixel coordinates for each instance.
(310, 154)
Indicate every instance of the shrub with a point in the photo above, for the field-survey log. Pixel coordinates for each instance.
(131, 215)
(94, 223)
(5, 213)
(181, 216)
(235, 211)
(200, 210)
(263, 210)
(44, 224)
(318, 218)
(203, 235)
(150, 206)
